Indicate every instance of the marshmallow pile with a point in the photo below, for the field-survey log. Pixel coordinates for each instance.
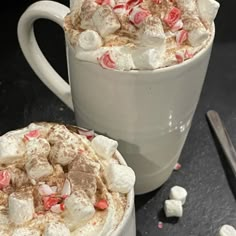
(139, 34)
(65, 176)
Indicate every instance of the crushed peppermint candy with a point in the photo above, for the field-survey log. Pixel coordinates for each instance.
(101, 205)
(106, 61)
(160, 225)
(31, 135)
(89, 134)
(5, 178)
(177, 166)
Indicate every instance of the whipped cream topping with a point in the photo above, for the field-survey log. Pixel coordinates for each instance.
(139, 34)
(58, 185)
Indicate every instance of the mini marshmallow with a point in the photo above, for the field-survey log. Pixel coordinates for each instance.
(37, 168)
(56, 229)
(119, 178)
(64, 152)
(227, 230)
(12, 148)
(37, 148)
(208, 9)
(78, 208)
(197, 32)
(87, 10)
(90, 40)
(138, 16)
(186, 5)
(148, 58)
(173, 208)
(152, 33)
(25, 232)
(105, 20)
(104, 146)
(198, 36)
(21, 207)
(178, 193)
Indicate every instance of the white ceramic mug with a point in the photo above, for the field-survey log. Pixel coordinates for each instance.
(148, 112)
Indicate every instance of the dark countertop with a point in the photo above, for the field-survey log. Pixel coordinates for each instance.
(204, 173)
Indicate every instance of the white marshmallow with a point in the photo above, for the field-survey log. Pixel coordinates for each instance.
(178, 193)
(186, 5)
(148, 58)
(78, 208)
(105, 20)
(37, 168)
(173, 208)
(104, 146)
(76, 6)
(21, 207)
(87, 10)
(208, 9)
(37, 147)
(25, 232)
(119, 178)
(152, 33)
(90, 40)
(12, 148)
(197, 36)
(56, 229)
(227, 230)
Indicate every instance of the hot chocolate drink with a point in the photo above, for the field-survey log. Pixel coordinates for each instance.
(57, 182)
(139, 34)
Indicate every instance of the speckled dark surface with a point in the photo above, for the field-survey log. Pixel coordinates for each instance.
(211, 202)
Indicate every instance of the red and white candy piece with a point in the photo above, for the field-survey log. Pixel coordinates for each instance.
(157, 1)
(181, 36)
(66, 190)
(177, 26)
(132, 3)
(160, 224)
(101, 204)
(31, 135)
(137, 15)
(106, 2)
(48, 202)
(120, 9)
(106, 61)
(5, 178)
(45, 190)
(89, 134)
(177, 166)
(58, 208)
(182, 55)
(172, 16)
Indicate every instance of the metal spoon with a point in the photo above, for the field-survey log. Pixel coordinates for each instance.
(223, 138)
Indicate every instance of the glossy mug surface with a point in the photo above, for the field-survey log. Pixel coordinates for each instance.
(148, 112)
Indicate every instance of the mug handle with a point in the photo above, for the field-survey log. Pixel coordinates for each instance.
(56, 12)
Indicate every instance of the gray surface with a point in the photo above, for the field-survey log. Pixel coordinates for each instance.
(211, 202)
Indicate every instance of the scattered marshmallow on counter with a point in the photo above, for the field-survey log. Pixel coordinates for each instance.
(105, 20)
(26, 232)
(21, 207)
(56, 229)
(178, 193)
(227, 230)
(90, 40)
(119, 178)
(104, 146)
(173, 208)
(12, 148)
(78, 208)
(208, 9)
